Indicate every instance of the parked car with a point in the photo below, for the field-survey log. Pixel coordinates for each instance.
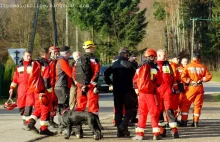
(102, 86)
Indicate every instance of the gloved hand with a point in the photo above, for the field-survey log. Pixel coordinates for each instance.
(95, 90)
(10, 93)
(136, 91)
(110, 87)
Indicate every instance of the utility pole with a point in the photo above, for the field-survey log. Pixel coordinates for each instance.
(77, 39)
(35, 24)
(54, 23)
(67, 27)
(193, 31)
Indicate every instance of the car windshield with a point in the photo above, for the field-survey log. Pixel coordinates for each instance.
(102, 69)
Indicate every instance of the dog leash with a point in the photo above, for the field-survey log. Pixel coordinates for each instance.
(64, 111)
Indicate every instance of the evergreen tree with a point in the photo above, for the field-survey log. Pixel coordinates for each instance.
(117, 23)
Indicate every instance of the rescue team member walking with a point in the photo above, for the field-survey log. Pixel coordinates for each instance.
(87, 74)
(25, 99)
(63, 81)
(123, 72)
(176, 84)
(183, 64)
(54, 52)
(194, 75)
(146, 80)
(42, 99)
(165, 91)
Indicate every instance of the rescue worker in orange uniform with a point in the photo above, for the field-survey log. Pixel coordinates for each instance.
(63, 82)
(42, 107)
(25, 99)
(54, 52)
(165, 92)
(146, 80)
(175, 87)
(194, 75)
(87, 74)
(183, 64)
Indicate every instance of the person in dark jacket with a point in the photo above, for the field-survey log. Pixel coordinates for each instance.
(123, 91)
(86, 72)
(63, 82)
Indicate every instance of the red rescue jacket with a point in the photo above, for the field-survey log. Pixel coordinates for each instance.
(21, 74)
(147, 78)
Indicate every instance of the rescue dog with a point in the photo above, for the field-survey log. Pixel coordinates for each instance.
(71, 118)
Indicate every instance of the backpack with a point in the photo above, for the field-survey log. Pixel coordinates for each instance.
(36, 82)
(83, 70)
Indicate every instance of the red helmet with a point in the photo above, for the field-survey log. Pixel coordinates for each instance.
(150, 52)
(10, 104)
(53, 48)
(43, 99)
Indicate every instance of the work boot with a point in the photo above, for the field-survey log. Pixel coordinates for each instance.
(25, 127)
(157, 137)
(163, 132)
(52, 123)
(124, 127)
(47, 132)
(120, 134)
(195, 124)
(175, 133)
(31, 126)
(183, 123)
(79, 132)
(124, 130)
(138, 137)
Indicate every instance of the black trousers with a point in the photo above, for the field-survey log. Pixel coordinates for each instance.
(127, 99)
(62, 94)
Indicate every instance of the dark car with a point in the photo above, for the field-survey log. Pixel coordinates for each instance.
(103, 87)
